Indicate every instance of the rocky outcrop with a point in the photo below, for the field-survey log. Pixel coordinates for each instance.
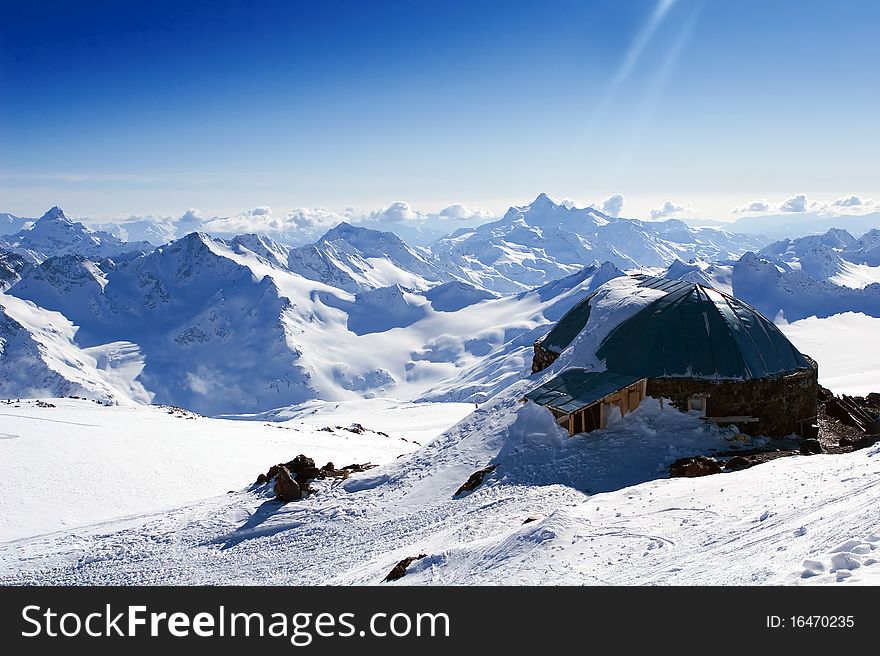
(694, 467)
(474, 480)
(292, 479)
(400, 568)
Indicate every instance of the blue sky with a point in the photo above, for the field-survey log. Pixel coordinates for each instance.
(111, 108)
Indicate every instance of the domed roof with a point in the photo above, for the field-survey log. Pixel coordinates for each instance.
(696, 331)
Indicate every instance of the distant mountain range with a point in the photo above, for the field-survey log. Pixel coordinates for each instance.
(246, 324)
(794, 224)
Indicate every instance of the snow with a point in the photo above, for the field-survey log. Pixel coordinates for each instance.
(844, 345)
(857, 276)
(603, 517)
(81, 463)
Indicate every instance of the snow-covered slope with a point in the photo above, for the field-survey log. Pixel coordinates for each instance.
(38, 357)
(512, 325)
(601, 508)
(55, 234)
(78, 462)
(536, 243)
(845, 346)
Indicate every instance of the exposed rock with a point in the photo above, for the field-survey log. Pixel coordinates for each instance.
(400, 568)
(356, 428)
(301, 471)
(860, 442)
(354, 468)
(286, 488)
(693, 467)
(473, 482)
(810, 446)
(825, 394)
(530, 519)
(737, 463)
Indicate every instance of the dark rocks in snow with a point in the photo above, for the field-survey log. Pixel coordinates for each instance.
(356, 428)
(475, 479)
(400, 568)
(736, 463)
(530, 519)
(811, 446)
(353, 468)
(693, 467)
(286, 488)
(44, 404)
(293, 478)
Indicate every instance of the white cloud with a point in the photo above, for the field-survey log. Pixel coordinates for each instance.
(759, 205)
(796, 203)
(398, 211)
(461, 212)
(192, 215)
(799, 203)
(261, 219)
(853, 201)
(670, 208)
(613, 205)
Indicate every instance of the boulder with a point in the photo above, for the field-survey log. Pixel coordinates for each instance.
(693, 467)
(811, 446)
(400, 568)
(286, 488)
(825, 394)
(736, 463)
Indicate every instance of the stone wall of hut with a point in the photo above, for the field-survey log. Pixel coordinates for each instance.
(783, 405)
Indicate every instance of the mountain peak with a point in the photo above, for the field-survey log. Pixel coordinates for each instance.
(542, 201)
(55, 214)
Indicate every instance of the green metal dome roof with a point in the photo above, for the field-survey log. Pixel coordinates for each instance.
(696, 331)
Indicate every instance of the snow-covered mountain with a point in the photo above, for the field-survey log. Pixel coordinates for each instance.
(212, 334)
(9, 223)
(835, 256)
(358, 259)
(536, 243)
(790, 294)
(55, 234)
(154, 231)
(718, 275)
(223, 327)
(11, 267)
